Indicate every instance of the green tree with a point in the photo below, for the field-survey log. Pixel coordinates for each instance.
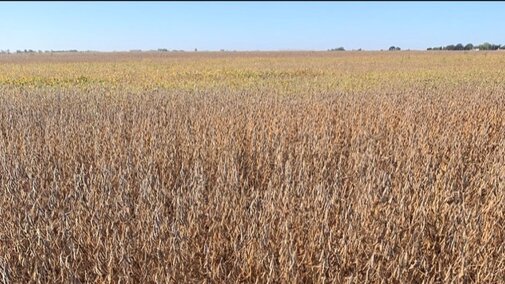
(485, 46)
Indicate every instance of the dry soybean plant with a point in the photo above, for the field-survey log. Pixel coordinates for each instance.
(252, 167)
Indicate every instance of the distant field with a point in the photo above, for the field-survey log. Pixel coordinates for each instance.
(292, 167)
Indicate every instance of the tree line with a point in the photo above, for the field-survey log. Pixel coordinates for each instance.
(337, 49)
(469, 46)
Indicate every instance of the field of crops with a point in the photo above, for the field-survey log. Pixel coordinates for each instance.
(293, 167)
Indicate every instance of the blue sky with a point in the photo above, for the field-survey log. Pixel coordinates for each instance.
(247, 25)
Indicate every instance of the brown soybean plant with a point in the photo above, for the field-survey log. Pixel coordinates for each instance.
(281, 167)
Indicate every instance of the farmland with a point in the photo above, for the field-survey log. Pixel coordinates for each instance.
(274, 167)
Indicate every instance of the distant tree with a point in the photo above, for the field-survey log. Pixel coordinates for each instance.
(429, 48)
(495, 46)
(459, 46)
(501, 47)
(196, 49)
(337, 49)
(469, 46)
(450, 47)
(485, 46)
(392, 48)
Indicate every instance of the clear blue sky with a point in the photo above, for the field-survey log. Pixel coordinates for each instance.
(247, 25)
